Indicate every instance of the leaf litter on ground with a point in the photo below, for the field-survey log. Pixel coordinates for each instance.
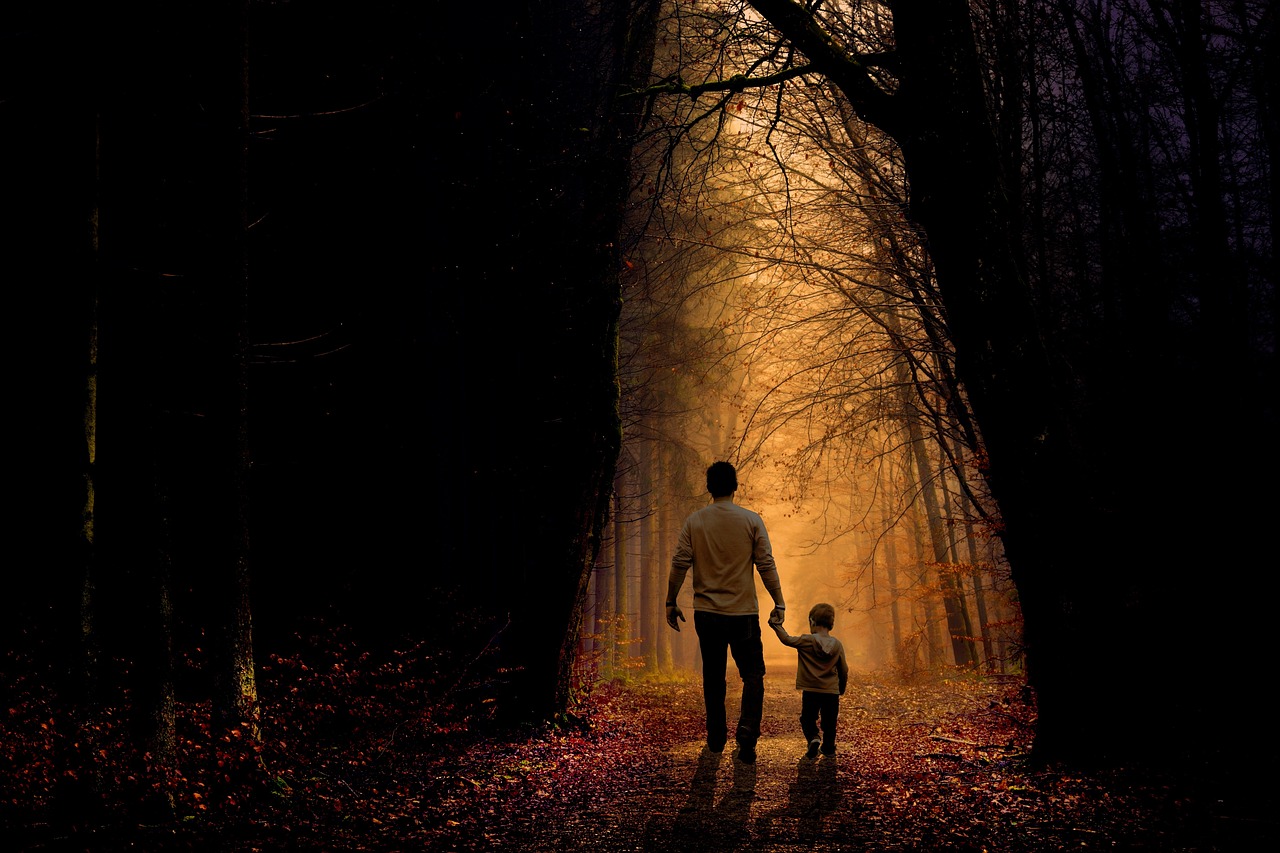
(375, 761)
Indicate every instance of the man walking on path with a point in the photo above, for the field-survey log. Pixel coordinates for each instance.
(723, 543)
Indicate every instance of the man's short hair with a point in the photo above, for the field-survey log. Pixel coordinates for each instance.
(722, 479)
(823, 614)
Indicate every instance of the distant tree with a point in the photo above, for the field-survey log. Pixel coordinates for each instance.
(621, 627)
(650, 607)
(935, 528)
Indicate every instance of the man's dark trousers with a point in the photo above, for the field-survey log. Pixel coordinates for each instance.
(719, 635)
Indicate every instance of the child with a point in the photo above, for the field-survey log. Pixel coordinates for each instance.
(821, 674)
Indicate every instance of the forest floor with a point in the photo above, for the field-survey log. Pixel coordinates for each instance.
(936, 765)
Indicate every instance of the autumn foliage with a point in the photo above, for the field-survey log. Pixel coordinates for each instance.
(365, 749)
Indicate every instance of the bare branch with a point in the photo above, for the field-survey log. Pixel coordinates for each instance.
(736, 83)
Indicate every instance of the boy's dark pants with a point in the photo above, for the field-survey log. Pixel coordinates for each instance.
(813, 705)
(719, 635)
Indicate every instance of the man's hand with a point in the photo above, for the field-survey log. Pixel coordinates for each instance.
(674, 616)
(777, 615)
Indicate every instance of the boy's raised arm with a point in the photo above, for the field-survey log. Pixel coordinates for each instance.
(781, 631)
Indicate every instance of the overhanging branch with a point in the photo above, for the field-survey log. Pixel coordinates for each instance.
(736, 83)
(845, 69)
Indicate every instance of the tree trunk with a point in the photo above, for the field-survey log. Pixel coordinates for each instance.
(975, 567)
(650, 605)
(924, 593)
(952, 582)
(605, 616)
(533, 194)
(1037, 474)
(952, 604)
(891, 572)
(961, 197)
(156, 693)
(621, 648)
(662, 521)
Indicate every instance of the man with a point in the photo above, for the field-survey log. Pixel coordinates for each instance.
(722, 542)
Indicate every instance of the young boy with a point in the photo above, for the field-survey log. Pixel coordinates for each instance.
(821, 674)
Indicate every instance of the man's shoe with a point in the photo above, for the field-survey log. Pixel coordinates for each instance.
(813, 748)
(746, 754)
(828, 749)
(715, 746)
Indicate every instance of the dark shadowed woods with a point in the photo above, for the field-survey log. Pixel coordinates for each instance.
(423, 299)
(313, 314)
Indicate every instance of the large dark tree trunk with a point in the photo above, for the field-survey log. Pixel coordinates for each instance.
(460, 188)
(1067, 468)
(1066, 463)
(527, 177)
(174, 425)
(958, 194)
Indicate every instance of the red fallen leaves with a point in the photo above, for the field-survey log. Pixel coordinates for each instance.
(366, 756)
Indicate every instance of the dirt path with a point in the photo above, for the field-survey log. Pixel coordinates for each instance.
(688, 798)
(933, 767)
(692, 799)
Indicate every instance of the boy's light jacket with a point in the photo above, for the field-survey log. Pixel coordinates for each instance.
(821, 667)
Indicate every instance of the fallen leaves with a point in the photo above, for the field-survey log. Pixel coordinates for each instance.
(364, 756)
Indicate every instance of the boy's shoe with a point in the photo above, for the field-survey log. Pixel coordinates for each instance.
(828, 749)
(715, 746)
(813, 748)
(746, 754)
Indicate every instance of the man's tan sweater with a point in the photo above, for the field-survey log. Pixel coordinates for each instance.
(722, 543)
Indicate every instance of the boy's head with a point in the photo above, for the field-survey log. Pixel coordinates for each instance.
(823, 615)
(722, 479)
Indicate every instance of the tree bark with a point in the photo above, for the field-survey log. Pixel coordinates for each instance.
(620, 635)
(961, 198)
(541, 162)
(650, 584)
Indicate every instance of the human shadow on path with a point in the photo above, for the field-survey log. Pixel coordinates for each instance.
(811, 800)
(704, 822)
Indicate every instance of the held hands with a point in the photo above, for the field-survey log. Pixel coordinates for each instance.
(776, 616)
(675, 616)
